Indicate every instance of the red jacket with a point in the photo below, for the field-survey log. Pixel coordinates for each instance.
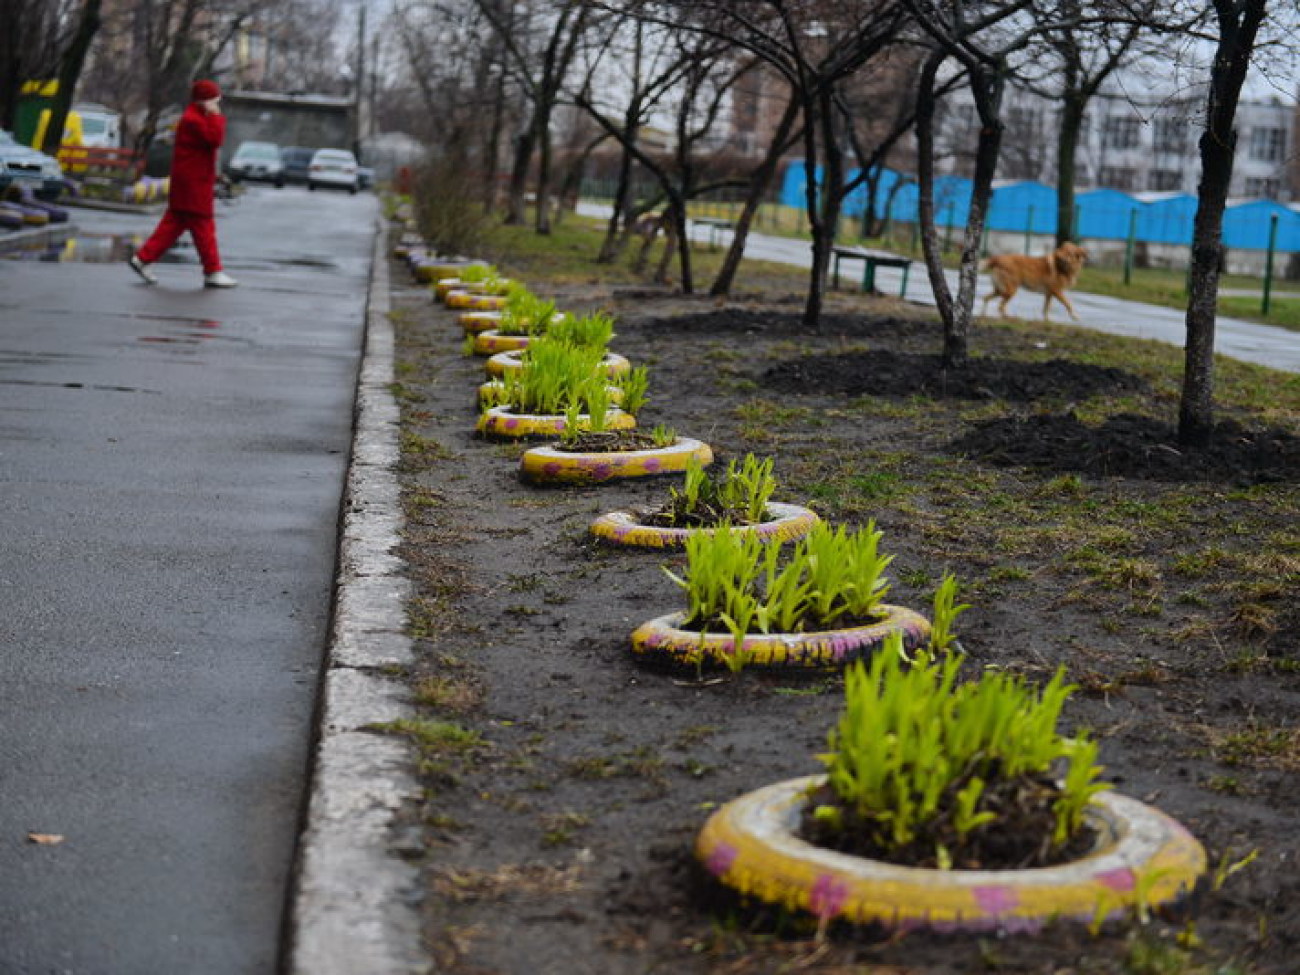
(194, 160)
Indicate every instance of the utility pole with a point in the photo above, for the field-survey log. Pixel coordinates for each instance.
(359, 81)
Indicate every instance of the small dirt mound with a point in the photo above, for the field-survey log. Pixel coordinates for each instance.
(1129, 445)
(731, 321)
(887, 373)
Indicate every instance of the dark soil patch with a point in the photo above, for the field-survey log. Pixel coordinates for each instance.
(888, 373)
(1128, 445)
(562, 844)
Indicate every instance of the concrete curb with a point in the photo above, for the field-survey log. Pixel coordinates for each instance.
(355, 901)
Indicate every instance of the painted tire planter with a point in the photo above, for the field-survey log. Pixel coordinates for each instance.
(662, 640)
(786, 522)
(444, 286)
(503, 362)
(491, 341)
(553, 465)
(750, 845)
(475, 302)
(475, 322)
(431, 271)
(499, 423)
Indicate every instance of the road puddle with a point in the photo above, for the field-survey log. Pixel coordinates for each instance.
(93, 249)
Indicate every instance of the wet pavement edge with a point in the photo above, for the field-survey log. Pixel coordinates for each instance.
(355, 900)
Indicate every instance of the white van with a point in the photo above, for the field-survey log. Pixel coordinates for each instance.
(101, 127)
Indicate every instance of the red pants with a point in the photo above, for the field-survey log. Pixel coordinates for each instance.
(171, 226)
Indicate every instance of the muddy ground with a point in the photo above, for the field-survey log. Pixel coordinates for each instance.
(559, 827)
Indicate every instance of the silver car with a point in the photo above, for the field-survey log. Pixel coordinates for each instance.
(333, 167)
(20, 164)
(256, 161)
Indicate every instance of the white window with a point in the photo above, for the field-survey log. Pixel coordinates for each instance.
(1120, 132)
(1267, 144)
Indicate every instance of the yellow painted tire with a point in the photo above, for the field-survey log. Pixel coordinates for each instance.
(499, 423)
(430, 271)
(552, 465)
(491, 341)
(662, 640)
(479, 321)
(1144, 858)
(503, 362)
(475, 302)
(786, 522)
(445, 286)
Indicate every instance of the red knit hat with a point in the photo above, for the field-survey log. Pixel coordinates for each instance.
(204, 91)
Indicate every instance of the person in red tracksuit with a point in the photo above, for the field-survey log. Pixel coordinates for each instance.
(199, 135)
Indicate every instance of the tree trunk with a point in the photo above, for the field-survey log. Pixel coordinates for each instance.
(812, 310)
(69, 73)
(492, 149)
(676, 231)
(758, 187)
(516, 203)
(1067, 144)
(612, 245)
(1237, 30)
(930, 245)
(543, 225)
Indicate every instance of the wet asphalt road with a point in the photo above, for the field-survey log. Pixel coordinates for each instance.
(171, 465)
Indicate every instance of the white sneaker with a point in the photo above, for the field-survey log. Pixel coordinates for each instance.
(142, 269)
(219, 279)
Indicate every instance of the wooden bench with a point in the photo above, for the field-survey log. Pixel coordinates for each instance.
(122, 164)
(871, 259)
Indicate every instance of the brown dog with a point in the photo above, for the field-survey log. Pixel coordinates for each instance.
(1049, 276)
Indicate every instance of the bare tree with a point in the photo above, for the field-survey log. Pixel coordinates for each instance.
(981, 45)
(31, 47)
(74, 57)
(622, 94)
(815, 46)
(702, 72)
(541, 42)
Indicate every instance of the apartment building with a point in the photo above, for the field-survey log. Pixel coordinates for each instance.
(1133, 146)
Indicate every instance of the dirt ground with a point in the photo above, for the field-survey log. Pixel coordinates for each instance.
(566, 782)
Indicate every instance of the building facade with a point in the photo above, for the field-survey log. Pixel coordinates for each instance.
(1131, 146)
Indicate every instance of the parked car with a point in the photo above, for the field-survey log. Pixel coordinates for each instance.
(296, 161)
(333, 167)
(256, 161)
(24, 166)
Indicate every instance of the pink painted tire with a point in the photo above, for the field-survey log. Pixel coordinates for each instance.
(553, 465)
(431, 270)
(499, 423)
(1143, 858)
(445, 286)
(503, 362)
(492, 341)
(786, 522)
(474, 302)
(477, 322)
(662, 640)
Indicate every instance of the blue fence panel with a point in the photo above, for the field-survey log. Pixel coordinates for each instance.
(1167, 220)
(1100, 214)
(1022, 207)
(1247, 226)
(1104, 214)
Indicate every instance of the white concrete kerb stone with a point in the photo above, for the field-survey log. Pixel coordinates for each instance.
(355, 898)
